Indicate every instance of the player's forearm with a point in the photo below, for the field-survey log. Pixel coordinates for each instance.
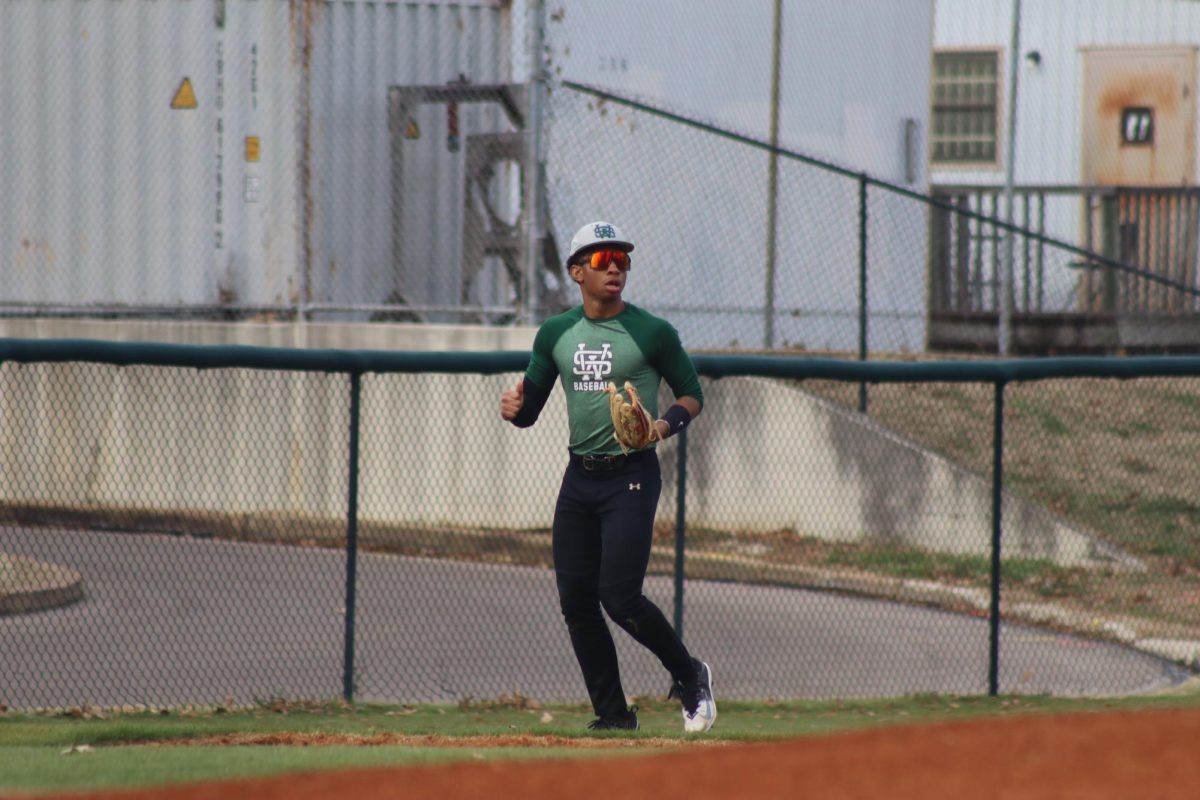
(678, 416)
(534, 401)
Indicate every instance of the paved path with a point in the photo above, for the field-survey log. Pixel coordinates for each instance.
(168, 620)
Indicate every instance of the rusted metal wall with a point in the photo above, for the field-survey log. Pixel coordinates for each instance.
(1139, 116)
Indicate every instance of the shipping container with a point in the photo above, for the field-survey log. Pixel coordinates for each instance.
(231, 156)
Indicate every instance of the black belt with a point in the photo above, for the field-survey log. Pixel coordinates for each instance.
(602, 463)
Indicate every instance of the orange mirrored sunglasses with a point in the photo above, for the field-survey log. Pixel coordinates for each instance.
(602, 258)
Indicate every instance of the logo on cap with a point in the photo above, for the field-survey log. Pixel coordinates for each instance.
(604, 232)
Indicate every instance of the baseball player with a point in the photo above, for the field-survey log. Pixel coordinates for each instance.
(604, 517)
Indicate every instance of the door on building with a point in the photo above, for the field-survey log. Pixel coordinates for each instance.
(1138, 149)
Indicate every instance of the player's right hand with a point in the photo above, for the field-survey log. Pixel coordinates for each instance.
(512, 400)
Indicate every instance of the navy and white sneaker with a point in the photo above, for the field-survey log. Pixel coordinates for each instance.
(699, 707)
(620, 722)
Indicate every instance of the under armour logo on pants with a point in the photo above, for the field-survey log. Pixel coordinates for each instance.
(635, 487)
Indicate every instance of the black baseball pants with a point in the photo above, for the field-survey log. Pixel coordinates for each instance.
(603, 527)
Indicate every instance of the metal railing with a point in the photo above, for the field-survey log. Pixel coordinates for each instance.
(1138, 249)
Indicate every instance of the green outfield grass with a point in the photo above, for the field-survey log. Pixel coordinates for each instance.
(82, 749)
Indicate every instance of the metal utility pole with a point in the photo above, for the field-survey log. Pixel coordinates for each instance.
(773, 178)
(1005, 304)
(533, 162)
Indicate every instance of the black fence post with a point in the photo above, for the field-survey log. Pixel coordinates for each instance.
(680, 528)
(351, 539)
(997, 504)
(862, 285)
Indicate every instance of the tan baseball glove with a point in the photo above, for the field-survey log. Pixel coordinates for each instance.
(633, 427)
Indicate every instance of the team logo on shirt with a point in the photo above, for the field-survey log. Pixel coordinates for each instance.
(592, 367)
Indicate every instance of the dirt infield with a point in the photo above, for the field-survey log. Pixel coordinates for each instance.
(1123, 755)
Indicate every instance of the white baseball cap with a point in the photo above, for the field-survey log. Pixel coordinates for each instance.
(604, 234)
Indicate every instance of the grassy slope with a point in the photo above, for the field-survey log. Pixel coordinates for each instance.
(1116, 458)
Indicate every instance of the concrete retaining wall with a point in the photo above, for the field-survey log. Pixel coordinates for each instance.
(764, 456)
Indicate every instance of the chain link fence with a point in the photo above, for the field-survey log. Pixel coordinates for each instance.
(283, 526)
(428, 162)
(856, 264)
(252, 531)
(695, 200)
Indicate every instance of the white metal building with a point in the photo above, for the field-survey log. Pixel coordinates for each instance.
(1089, 72)
(1103, 159)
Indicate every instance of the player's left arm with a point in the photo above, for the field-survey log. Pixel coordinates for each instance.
(677, 369)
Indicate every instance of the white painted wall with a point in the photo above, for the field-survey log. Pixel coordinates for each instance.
(851, 70)
(851, 74)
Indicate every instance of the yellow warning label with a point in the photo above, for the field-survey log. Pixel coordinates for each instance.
(412, 131)
(253, 150)
(184, 96)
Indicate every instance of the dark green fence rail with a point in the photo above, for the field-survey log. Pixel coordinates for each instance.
(491, 363)
(355, 366)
